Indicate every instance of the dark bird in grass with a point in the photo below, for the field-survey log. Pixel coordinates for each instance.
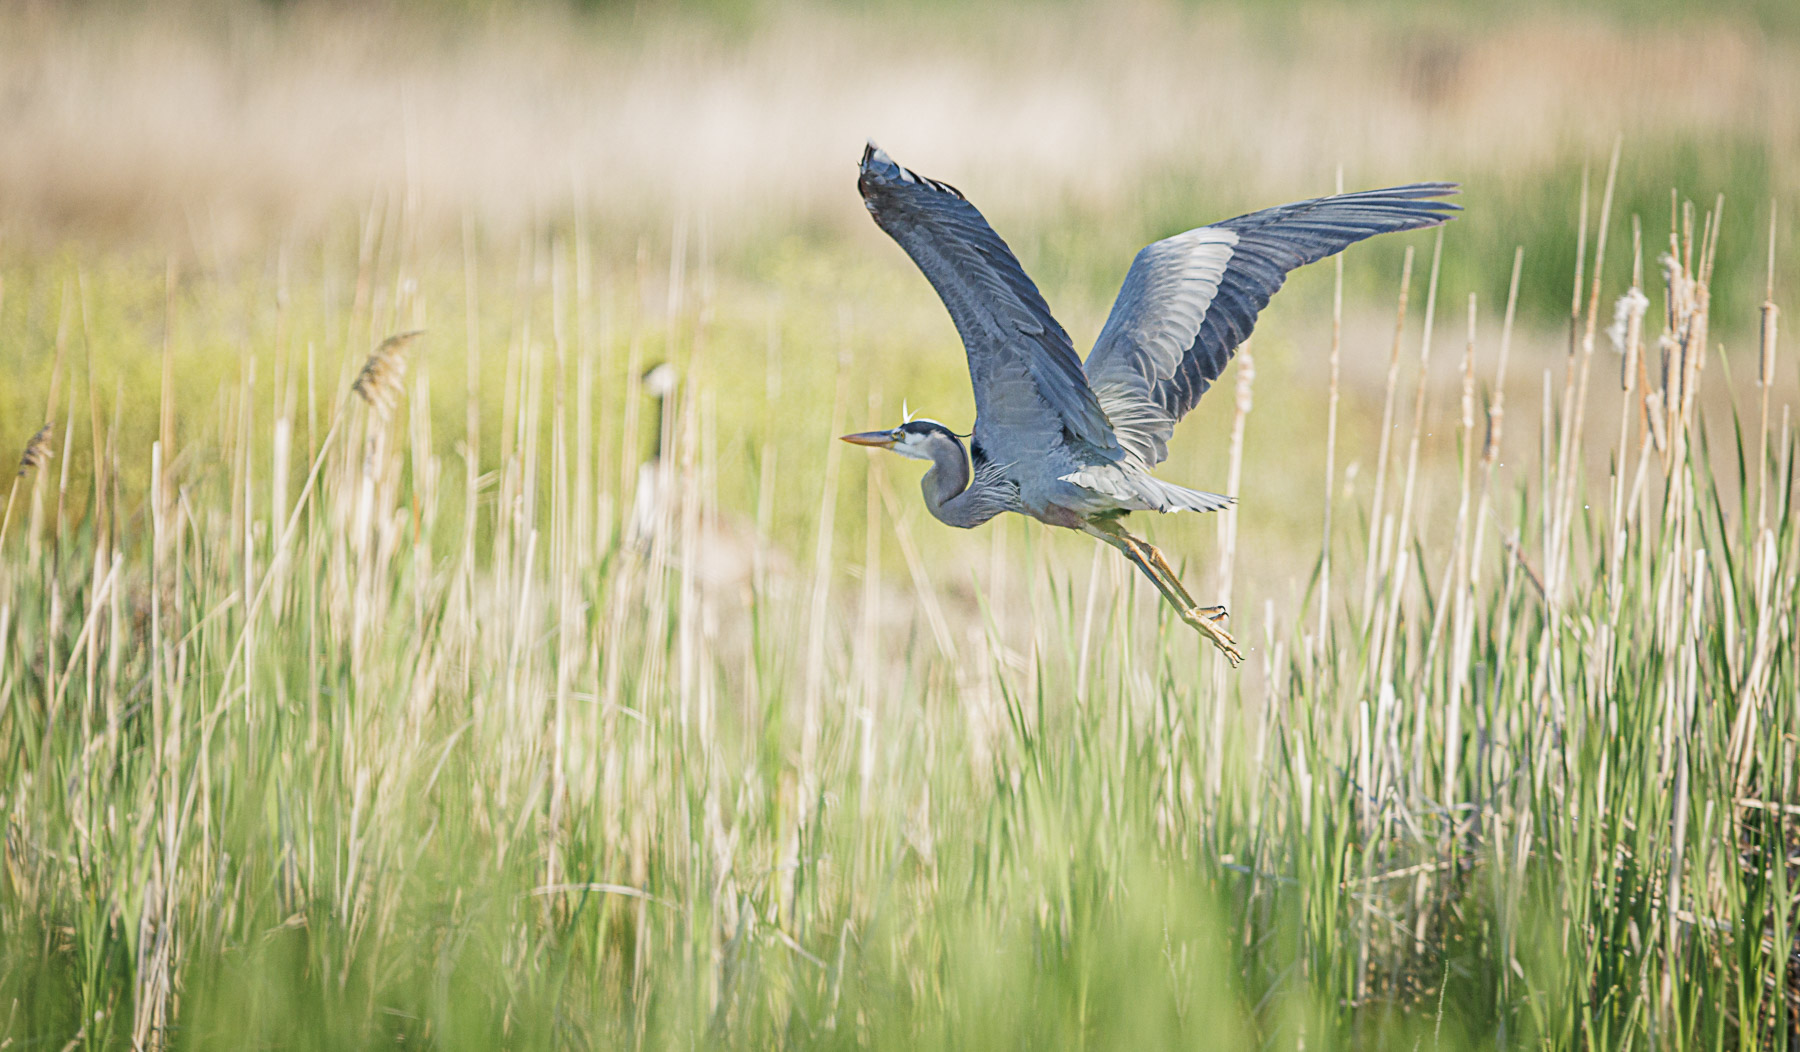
(1072, 443)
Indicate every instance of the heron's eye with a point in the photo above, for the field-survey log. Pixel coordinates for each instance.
(898, 434)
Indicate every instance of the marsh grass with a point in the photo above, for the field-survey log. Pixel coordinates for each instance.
(345, 710)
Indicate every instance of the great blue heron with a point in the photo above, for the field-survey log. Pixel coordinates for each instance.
(649, 505)
(1070, 443)
(725, 553)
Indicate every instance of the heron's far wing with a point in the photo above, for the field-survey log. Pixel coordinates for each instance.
(1161, 307)
(1190, 300)
(1013, 341)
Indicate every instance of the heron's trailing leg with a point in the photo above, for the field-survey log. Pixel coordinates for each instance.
(1207, 619)
(1211, 613)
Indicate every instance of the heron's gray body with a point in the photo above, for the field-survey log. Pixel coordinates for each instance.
(1073, 443)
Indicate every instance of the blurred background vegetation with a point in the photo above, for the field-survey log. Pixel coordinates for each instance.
(219, 135)
(214, 128)
(461, 785)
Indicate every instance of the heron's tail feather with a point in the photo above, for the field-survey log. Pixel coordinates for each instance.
(1136, 491)
(1179, 498)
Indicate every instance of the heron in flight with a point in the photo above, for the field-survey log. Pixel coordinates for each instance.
(1072, 443)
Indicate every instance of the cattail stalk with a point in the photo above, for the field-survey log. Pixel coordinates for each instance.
(818, 615)
(1456, 580)
(1331, 425)
(1630, 338)
(1246, 378)
(1765, 379)
(868, 640)
(35, 528)
(471, 440)
(564, 560)
(1552, 478)
(915, 567)
(1399, 568)
(1569, 453)
(1496, 420)
(1398, 562)
(1376, 502)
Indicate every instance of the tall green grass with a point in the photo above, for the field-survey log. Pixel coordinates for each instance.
(359, 692)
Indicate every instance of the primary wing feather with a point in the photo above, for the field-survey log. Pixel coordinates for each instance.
(1020, 359)
(1190, 300)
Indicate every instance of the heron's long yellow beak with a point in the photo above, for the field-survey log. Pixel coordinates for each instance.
(883, 439)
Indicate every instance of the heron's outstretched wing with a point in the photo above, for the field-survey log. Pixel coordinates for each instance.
(1189, 300)
(1020, 359)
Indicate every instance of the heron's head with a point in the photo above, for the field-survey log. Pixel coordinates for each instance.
(915, 439)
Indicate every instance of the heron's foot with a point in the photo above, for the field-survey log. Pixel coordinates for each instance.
(1210, 621)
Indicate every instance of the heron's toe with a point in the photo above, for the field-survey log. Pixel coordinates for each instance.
(1227, 646)
(1209, 621)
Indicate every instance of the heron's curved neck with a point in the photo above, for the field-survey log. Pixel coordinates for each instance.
(947, 484)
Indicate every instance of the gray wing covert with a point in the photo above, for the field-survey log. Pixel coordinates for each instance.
(1019, 356)
(1190, 300)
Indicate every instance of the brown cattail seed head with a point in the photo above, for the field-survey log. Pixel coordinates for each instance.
(37, 451)
(378, 383)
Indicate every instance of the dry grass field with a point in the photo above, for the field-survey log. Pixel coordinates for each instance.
(383, 664)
